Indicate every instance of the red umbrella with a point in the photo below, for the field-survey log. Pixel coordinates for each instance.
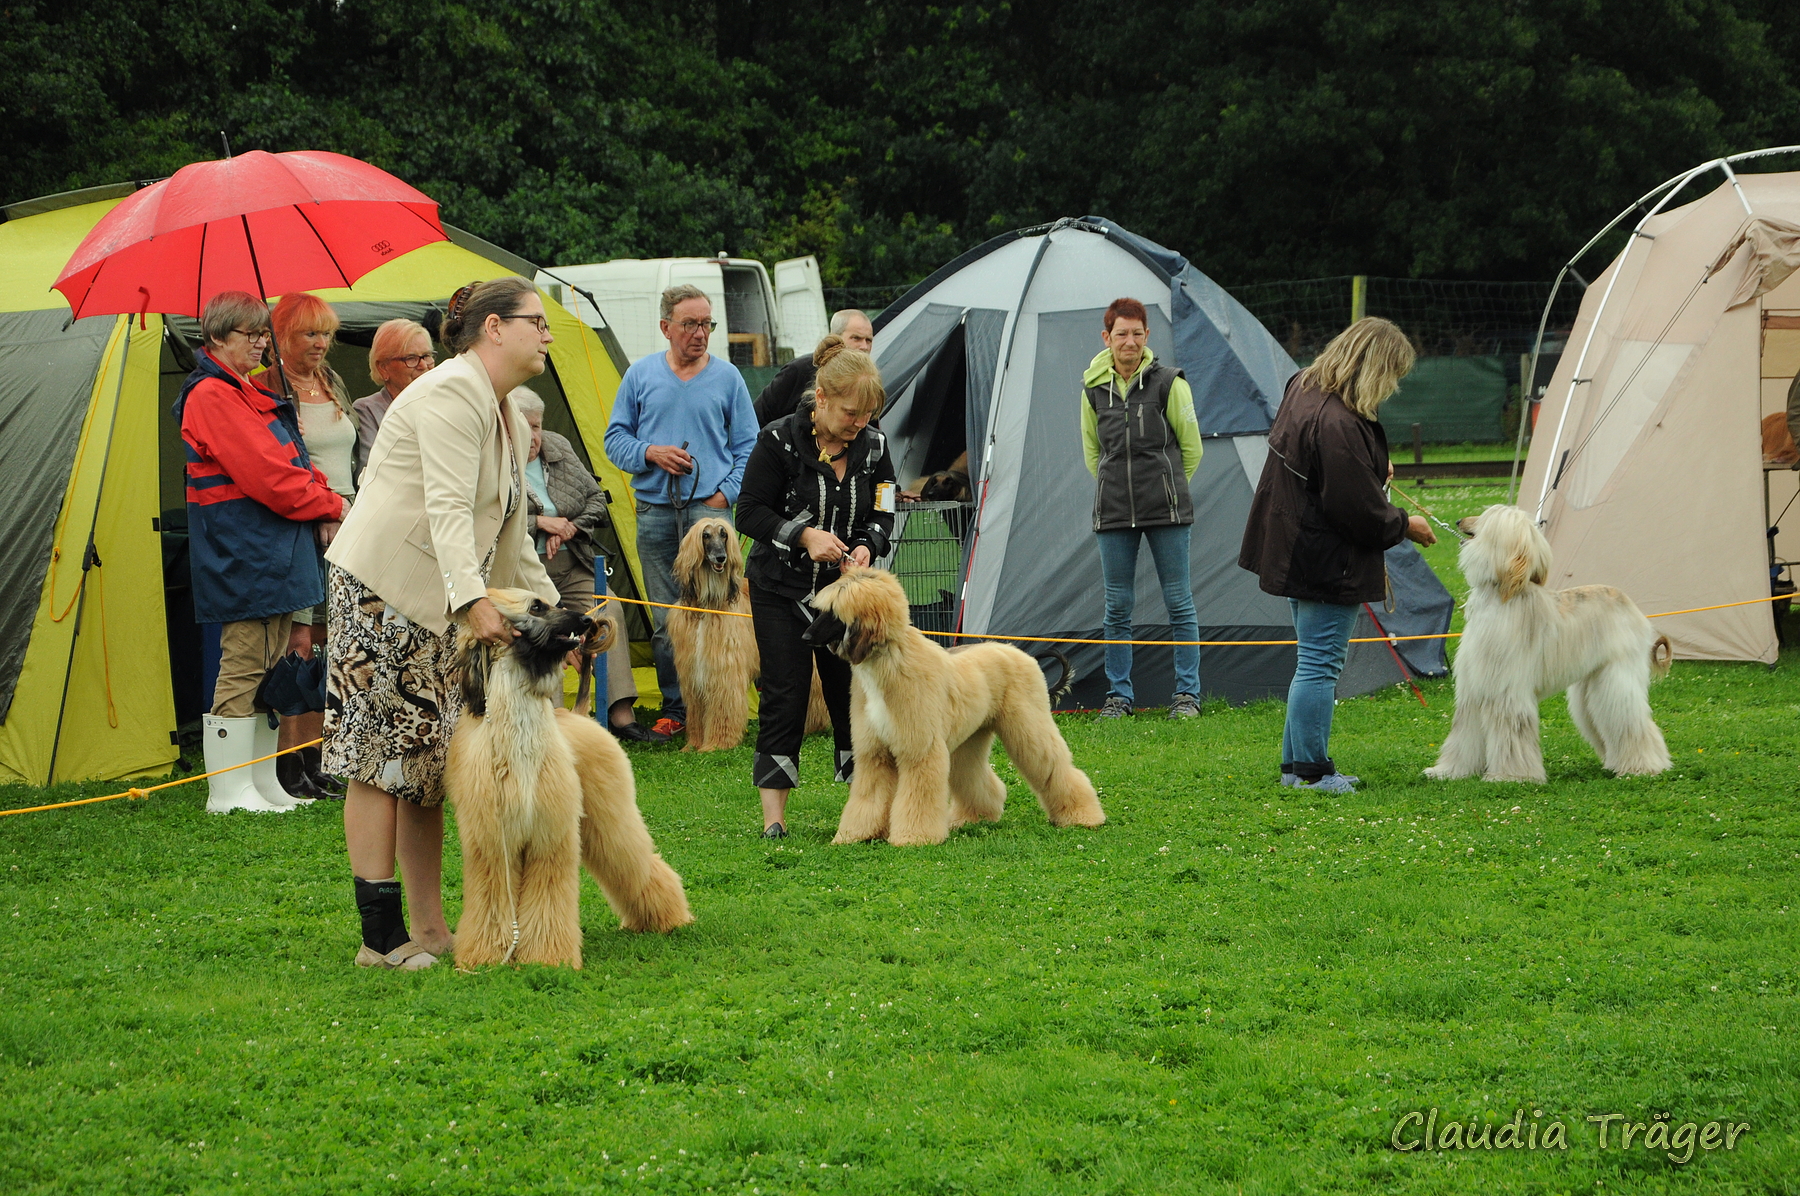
(260, 222)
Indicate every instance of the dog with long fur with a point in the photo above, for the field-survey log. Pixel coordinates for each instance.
(923, 721)
(716, 657)
(1523, 642)
(539, 792)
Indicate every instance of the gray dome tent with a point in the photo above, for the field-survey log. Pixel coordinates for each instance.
(987, 354)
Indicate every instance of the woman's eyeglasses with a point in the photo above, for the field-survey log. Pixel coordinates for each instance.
(538, 322)
(262, 337)
(413, 361)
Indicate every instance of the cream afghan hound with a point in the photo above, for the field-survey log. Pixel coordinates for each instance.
(715, 654)
(538, 792)
(923, 721)
(1521, 643)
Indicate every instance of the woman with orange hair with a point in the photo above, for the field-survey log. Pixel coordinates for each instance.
(305, 326)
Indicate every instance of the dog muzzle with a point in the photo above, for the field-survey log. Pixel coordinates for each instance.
(825, 631)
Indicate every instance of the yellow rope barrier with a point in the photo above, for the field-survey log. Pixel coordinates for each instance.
(140, 794)
(1045, 639)
(136, 794)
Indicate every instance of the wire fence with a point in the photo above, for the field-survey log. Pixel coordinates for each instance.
(1473, 339)
(868, 299)
(1442, 318)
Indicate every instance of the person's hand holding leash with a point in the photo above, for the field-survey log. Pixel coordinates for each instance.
(487, 624)
(1419, 531)
(859, 557)
(822, 546)
(669, 459)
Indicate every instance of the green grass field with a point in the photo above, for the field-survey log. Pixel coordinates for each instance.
(1230, 987)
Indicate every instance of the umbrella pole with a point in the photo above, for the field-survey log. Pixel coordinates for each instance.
(287, 392)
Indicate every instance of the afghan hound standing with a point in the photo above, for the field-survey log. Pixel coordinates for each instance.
(715, 654)
(538, 792)
(923, 721)
(1521, 643)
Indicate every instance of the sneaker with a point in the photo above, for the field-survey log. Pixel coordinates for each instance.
(1333, 782)
(774, 831)
(1289, 780)
(1184, 706)
(1115, 707)
(668, 728)
(636, 732)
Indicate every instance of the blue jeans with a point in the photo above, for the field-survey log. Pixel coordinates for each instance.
(1323, 629)
(1118, 570)
(660, 528)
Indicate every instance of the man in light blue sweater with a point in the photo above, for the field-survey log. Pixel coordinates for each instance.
(683, 427)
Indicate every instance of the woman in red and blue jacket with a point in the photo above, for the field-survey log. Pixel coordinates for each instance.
(255, 502)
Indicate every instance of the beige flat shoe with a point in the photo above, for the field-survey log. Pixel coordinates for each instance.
(407, 957)
(410, 957)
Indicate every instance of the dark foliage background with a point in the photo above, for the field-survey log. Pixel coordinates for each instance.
(1265, 138)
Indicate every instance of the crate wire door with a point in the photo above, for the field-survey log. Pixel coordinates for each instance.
(927, 557)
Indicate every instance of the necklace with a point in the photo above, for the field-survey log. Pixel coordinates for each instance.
(311, 388)
(828, 458)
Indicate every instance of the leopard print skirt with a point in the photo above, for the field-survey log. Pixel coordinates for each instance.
(391, 698)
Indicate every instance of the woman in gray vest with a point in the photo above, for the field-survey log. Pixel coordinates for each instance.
(1142, 444)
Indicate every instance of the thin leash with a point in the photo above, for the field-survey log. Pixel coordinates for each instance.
(1423, 510)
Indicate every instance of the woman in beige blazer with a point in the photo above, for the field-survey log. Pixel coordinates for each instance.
(440, 516)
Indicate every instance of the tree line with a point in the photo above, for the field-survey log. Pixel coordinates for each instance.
(1265, 139)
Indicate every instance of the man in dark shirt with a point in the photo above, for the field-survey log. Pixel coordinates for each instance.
(782, 395)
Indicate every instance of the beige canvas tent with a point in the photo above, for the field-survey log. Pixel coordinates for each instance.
(1645, 468)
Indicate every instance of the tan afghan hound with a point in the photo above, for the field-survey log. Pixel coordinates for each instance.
(715, 654)
(538, 792)
(1523, 642)
(923, 721)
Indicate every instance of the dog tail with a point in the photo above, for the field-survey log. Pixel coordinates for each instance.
(1661, 654)
(1064, 683)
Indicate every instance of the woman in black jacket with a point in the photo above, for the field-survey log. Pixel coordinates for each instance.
(808, 499)
(1321, 522)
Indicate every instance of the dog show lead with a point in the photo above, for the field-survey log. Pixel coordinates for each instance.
(442, 515)
(1321, 521)
(808, 501)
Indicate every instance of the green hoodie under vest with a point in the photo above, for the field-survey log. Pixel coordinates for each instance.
(1132, 464)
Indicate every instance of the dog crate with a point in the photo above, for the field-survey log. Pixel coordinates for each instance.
(927, 557)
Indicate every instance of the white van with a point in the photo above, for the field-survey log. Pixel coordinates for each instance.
(761, 327)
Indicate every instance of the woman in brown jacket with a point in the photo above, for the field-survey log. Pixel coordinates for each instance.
(1321, 521)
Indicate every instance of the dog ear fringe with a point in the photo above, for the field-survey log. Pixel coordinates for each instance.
(473, 658)
(1515, 576)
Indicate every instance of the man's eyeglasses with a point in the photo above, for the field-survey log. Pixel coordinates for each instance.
(539, 322)
(254, 337)
(689, 327)
(413, 361)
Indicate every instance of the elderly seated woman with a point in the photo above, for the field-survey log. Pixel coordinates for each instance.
(569, 507)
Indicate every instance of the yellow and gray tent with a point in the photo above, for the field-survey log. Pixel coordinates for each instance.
(99, 655)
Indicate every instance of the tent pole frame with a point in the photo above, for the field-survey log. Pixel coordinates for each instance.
(987, 454)
(1668, 190)
(90, 558)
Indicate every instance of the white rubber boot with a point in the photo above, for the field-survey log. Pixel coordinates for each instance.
(228, 742)
(267, 743)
